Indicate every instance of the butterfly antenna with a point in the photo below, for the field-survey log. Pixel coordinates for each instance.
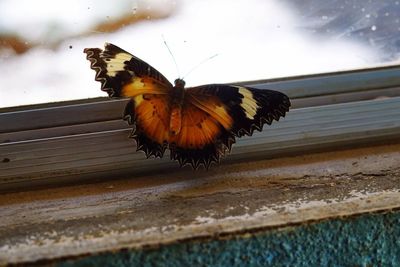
(198, 65)
(172, 55)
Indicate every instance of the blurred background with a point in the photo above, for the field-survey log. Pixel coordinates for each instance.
(41, 42)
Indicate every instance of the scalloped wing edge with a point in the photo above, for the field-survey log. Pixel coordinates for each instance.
(93, 55)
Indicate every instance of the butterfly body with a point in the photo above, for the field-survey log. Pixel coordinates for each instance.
(198, 124)
(177, 99)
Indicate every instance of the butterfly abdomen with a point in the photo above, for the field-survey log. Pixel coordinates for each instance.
(175, 123)
(177, 98)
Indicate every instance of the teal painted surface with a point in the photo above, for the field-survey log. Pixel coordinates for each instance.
(366, 240)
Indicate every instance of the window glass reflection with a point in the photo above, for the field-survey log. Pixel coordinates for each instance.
(41, 42)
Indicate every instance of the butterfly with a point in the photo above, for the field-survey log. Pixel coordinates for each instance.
(198, 125)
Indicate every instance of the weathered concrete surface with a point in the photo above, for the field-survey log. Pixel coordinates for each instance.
(165, 208)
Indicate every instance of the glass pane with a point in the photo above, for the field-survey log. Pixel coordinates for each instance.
(41, 42)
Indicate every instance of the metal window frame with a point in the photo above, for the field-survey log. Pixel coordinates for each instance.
(86, 139)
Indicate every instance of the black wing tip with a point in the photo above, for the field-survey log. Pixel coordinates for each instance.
(286, 103)
(274, 104)
(93, 55)
(106, 45)
(98, 65)
(96, 57)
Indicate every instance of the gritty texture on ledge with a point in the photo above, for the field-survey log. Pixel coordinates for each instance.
(229, 201)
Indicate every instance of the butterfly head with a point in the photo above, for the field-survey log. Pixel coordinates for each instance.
(179, 83)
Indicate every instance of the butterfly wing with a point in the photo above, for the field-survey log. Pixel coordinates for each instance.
(149, 115)
(241, 110)
(123, 75)
(202, 138)
(213, 115)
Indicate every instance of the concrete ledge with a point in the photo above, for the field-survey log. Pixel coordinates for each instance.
(230, 201)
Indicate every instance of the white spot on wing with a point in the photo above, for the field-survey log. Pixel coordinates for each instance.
(117, 64)
(249, 104)
(138, 99)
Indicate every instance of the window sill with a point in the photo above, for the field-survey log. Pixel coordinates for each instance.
(153, 211)
(86, 141)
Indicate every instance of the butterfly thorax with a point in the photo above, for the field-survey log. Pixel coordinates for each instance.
(177, 97)
(179, 83)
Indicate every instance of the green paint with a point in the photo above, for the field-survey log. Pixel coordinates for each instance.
(365, 240)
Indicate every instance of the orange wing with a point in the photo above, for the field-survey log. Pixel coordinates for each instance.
(241, 110)
(213, 115)
(149, 114)
(123, 75)
(202, 138)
